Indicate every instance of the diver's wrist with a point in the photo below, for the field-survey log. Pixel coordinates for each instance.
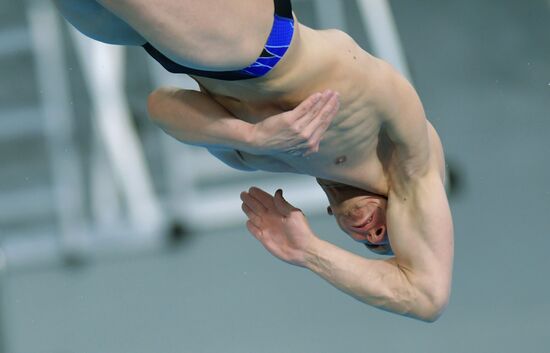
(313, 259)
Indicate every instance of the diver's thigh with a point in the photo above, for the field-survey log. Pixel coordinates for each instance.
(216, 34)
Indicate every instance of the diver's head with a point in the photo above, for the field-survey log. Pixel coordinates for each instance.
(360, 214)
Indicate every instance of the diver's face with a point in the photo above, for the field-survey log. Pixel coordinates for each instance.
(359, 213)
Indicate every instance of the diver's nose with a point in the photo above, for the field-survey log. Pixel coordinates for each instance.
(377, 234)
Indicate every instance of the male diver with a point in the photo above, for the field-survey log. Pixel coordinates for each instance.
(271, 104)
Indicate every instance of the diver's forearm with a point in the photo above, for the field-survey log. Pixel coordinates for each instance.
(194, 118)
(378, 283)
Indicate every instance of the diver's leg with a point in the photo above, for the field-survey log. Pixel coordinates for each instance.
(98, 23)
(208, 34)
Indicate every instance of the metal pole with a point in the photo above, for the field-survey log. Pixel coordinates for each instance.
(383, 34)
(3, 343)
(53, 83)
(103, 68)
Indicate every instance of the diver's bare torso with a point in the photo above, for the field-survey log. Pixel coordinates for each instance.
(354, 150)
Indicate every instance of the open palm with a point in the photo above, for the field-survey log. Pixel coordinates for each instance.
(281, 228)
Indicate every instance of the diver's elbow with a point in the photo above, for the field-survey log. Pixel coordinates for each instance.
(433, 308)
(432, 315)
(155, 104)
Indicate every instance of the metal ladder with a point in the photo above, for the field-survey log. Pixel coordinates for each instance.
(41, 195)
(77, 209)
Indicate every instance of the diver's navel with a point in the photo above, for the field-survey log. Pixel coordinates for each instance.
(340, 160)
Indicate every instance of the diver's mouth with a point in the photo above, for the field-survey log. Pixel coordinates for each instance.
(367, 222)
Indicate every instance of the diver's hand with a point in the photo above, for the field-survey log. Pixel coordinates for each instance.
(299, 131)
(280, 227)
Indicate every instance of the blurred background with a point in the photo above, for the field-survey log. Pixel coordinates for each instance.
(114, 238)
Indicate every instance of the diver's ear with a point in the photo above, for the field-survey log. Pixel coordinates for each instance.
(329, 211)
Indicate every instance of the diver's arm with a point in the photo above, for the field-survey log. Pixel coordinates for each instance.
(380, 283)
(196, 118)
(418, 216)
(96, 22)
(417, 281)
(418, 291)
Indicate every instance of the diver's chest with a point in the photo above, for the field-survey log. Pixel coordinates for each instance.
(362, 169)
(365, 170)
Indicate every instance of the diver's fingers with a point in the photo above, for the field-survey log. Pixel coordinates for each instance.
(329, 113)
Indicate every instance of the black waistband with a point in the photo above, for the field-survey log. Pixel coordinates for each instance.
(283, 8)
